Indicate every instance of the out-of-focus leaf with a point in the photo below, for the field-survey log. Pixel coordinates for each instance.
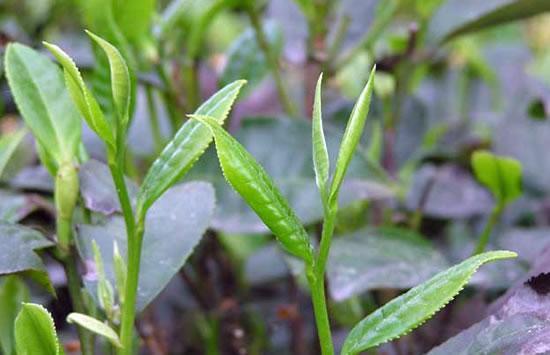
(351, 137)
(39, 91)
(408, 311)
(256, 187)
(293, 173)
(527, 242)
(186, 147)
(8, 144)
(265, 264)
(174, 226)
(245, 60)
(501, 175)
(15, 206)
(35, 332)
(380, 258)
(95, 326)
(451, 193)
(18, 254)
(134, 17)
(98, 190)
(35, 178)
(496, 13)
(13, 292)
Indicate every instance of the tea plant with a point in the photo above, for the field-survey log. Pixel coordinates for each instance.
(110, 190)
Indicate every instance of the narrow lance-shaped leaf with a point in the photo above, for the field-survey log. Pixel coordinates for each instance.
(320, 153)
(82, 96)
(40, 94)
(13, 293)
(8, 144)
(352, 135)
(186, 147)
(255, 186)
(120, 79)
(35, 332)
(411, 309)
(501, 175)
(95, 326)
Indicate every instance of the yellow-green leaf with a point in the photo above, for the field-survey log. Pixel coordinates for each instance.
(186, 147)
(410, 310)
(352, 135)
(255, 186)
(35, 332)
(95, 326)
(501, 175)
(320, 152)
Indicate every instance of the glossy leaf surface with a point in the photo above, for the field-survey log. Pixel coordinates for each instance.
(411, 309)
(8, 144)
(186, 147)
(382, 258)
(174, 226)
(255, 186)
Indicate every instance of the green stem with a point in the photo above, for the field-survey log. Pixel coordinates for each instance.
(64, 235)
(316, 279)
(272, 61)
(484, 238)
(134, 236)
(154, 119)
(317, 287)
(191, 82)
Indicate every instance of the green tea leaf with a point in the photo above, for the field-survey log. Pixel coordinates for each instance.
(352, 134)
(245, 60)
(35, 332)
(186, 147)
(320, 154)
(13, 292)
(255, 186)
(8, 144)
(120, 80)
(82, 96)
(511, 11)
(501, 175)
(39, 91)
(20, 244)
(95, 326)
(411, 309)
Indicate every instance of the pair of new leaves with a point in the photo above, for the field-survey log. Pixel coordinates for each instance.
(249, 179)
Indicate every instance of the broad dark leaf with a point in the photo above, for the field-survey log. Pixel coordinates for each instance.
(451, 193)
(175, 225)
(18, 253)
(517, 324)
(380, 258)
(98, 190)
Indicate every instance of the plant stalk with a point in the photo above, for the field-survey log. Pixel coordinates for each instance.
(272, 61)
(486, 234)
(317, 287)
(316, 279)
(154, 120)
